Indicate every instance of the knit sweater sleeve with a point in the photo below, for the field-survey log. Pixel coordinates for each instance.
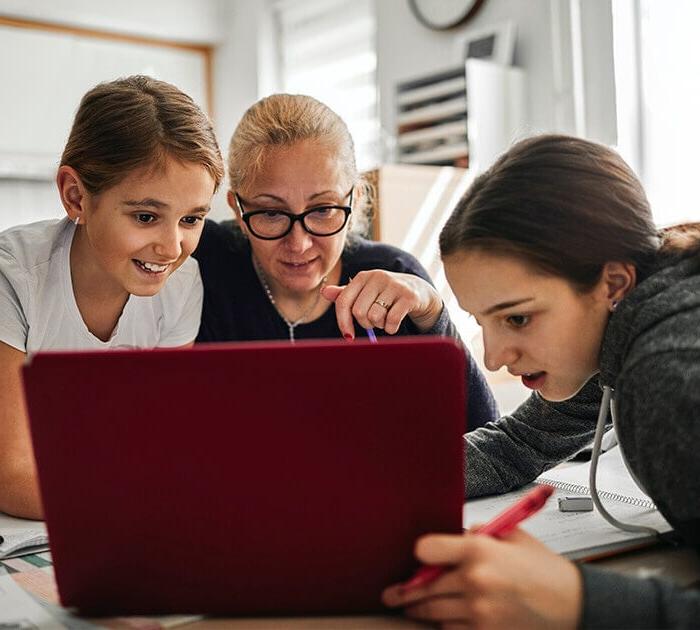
(515, 449)
(617, 601)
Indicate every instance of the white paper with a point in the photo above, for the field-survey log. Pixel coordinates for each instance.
(18, 609)
(573, 534)
(18, 533)
(612, 478)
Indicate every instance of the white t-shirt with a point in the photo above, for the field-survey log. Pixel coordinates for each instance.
(38, 310)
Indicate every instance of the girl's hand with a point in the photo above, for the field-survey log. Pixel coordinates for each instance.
(381, 299)
(515, 582)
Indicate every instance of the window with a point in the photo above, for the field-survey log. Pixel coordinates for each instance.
(327, 50)
(658, 100)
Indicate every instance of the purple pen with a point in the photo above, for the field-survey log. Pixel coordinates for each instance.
(371, 336)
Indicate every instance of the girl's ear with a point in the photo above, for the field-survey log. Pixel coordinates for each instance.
(616, 281)
(72, 192)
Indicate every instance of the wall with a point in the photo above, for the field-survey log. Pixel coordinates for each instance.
(191, 21)
(406, 49)
(243, 37)
(223, 24)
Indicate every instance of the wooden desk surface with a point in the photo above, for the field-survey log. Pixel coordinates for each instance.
(680, 564)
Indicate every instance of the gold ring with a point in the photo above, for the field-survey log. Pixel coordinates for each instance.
(383, 304)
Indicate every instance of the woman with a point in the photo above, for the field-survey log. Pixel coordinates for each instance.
(290, 268)
(555, 253)
(136, 179)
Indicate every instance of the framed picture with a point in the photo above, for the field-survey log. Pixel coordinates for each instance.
(492, 43)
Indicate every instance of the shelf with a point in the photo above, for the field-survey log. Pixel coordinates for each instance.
(434, 112)
(447, 130)
(432, 91)
(438, 154)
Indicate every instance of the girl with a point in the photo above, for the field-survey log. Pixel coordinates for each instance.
(290, 268)
(554, 251)
(136, 179)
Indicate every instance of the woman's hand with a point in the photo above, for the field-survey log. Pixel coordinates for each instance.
(514, 582)
(381, 299)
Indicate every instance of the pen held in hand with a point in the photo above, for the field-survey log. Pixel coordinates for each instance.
(370, 335)
(499, 526)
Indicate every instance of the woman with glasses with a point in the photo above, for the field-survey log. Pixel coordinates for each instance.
(292, 265)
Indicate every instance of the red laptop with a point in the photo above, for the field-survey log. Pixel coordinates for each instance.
(246, 479)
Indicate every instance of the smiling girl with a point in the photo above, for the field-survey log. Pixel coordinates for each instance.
(555, 253)
(136, 179)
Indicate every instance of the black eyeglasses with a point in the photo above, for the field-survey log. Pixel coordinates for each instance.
(270, 224)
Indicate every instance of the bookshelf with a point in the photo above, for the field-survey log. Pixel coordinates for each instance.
(432, 119)
(449, 117)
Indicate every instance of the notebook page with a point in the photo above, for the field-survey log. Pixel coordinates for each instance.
(573, 534)
(18, 533)
(613, 479)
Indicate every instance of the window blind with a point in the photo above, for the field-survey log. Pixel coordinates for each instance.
(327, 49)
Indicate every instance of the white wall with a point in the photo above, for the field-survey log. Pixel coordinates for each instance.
(229, 26)
(191, 21)
(243, 72)
(243, 37)
(406, 49)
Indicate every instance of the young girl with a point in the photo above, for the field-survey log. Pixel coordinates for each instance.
(554, 251)
(136, 179)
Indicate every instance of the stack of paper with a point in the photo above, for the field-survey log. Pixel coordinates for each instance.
(19, 536)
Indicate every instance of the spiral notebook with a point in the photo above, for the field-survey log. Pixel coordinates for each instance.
(582, 535)
(613, 480)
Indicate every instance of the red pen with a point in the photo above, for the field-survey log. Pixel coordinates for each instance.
(498, 527)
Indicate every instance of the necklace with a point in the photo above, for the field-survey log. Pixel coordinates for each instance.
(290, 325)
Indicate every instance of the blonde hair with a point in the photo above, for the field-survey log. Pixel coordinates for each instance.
(138, 121)
(282, 120)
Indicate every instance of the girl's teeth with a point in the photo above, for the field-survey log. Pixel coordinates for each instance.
(152, 266)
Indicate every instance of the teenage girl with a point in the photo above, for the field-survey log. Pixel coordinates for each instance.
(555, 253)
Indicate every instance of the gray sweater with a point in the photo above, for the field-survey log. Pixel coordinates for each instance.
(651, 358)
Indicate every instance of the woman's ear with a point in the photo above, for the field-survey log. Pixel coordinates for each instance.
(616, 281)
(72, 192)
(233, 204)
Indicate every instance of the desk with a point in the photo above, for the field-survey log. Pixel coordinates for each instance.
(679, 564)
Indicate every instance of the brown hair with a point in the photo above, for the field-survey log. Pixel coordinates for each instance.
(136, 121)
(567, 206)
(282, 120)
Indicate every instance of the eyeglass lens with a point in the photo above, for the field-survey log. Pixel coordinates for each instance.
(322, 221)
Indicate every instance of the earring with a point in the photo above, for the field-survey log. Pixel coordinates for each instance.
(77, 220)
(613, 305)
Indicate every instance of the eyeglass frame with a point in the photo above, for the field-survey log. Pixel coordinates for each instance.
(246, 216)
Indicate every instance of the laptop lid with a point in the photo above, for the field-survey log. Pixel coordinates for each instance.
(246, 479)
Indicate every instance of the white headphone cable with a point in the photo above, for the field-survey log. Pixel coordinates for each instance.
(606, 403)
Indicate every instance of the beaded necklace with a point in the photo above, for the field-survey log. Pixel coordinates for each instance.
(290, 325)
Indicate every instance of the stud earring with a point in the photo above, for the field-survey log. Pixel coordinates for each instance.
(613, 305)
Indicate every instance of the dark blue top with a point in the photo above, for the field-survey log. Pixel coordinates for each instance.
(236, 307)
